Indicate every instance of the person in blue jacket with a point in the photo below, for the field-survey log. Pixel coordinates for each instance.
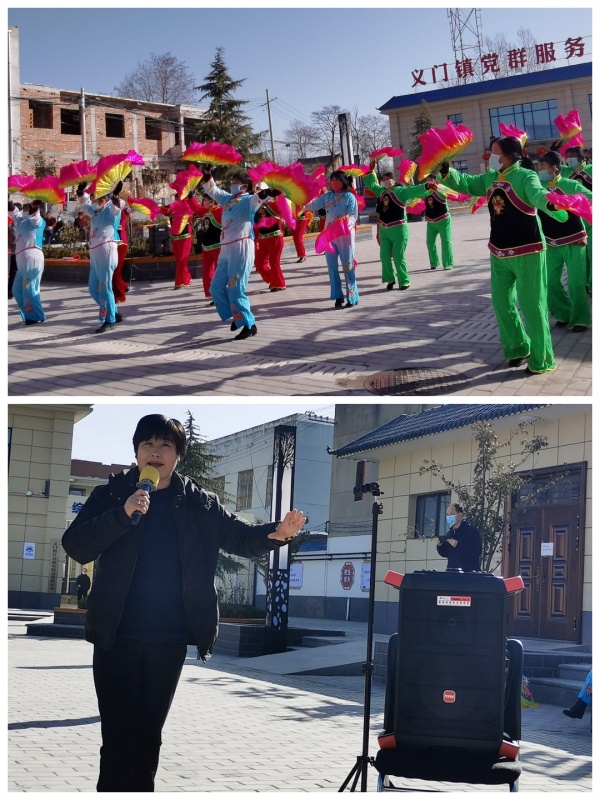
(236, 259)
(105, 214)
(584, 699)
(462, 545)
(29, 235)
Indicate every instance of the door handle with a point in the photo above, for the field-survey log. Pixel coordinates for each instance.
(538, 578)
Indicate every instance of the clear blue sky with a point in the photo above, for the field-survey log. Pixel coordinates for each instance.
(307, 58)
(105, 435)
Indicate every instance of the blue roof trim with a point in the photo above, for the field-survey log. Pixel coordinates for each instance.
(429, 422)
(483, 87)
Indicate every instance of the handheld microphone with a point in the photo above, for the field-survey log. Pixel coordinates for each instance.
(149, 478)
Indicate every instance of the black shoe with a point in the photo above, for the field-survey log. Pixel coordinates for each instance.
(212, 302)
(406, 286)
(300, 260)
(339, 303)
(31, 321)
(577, 710)
(277, 288)
(559, 324)
(106, 326)
(350, 305)
(118, 317)
(578, 328)
(246, 332)
(233, 327)
(432, 267)
(390, 286)
(516, 362)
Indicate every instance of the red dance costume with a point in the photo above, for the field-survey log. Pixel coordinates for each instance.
(270, 247)
(181, 213)
(302, 222)
(119, 285)
(211, 243)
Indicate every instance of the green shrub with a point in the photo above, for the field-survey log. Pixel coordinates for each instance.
(239, 611)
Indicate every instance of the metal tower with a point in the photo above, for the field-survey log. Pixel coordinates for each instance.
(467, 41)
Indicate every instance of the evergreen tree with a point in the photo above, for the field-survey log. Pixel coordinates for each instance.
(423, 122)
(225, 120)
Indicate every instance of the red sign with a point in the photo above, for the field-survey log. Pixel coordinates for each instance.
(347, 575)
(449, 696)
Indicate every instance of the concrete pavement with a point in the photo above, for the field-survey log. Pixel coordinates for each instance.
(237, 725)
(172, 343)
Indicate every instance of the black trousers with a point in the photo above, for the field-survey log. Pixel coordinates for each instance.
(135, 684)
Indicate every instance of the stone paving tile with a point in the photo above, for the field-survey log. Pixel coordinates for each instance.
(235, 728)
(172, 343)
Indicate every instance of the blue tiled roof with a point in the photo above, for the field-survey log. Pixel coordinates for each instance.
(498, 85)
(431, 421)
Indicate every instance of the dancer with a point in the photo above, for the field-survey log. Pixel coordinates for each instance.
(303, 219)
(392, 225)
(439, 223)
(119, 284)
(181, 213)
(567, 244)
(228, 287)
(29, 235)
(339, 203)
(576, 169)
(518, 251)
(104, 213)
(210, 238)
(269, 245)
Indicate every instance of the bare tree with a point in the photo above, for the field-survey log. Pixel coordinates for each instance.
(372, 131)
(327, 129)
(302, 139)
(500, 45)
(161, 78)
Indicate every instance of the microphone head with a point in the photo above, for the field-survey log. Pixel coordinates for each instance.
(150, 475)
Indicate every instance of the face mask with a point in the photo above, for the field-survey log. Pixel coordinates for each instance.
(450, 519)
(235, 188)
(494, 162)
(336, 186)
(388, 183)
(544, 176)
(573, 162)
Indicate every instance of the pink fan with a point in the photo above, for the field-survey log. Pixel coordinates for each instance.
(186, 181)
(568, 125)
(575, 203)
(16, 183)
(406, 170)
(213, 153)
(112, 169)
(416, 206)
(575, 141)
(46, 189)
(441, 144)
(385, 152)
(283, 208)
(298, 187)
(355, 170)
(512, 130)
(145, 206)
(476, 203)
(77, 172)
(323, 242)
(361, 202)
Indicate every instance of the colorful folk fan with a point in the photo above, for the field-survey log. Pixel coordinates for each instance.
(476, 203)
(186, 181)
(112, 169)
(16, 183)
(355, 170)
(575, 141)
(416, 206)
(514, 132)
(145, 206)
(45, 189)
(441, 144)
(298, 187)
(406, 170)
(318, 172)
(568, 125)
(361, 202)
(77, 172)
(282, 206)
(575, 203)
(323, 242)
(385, 152)
(213, 153)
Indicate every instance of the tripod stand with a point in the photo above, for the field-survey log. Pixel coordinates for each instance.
(359, 770)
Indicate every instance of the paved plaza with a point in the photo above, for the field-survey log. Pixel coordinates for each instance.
(235, 727)
(172, 343)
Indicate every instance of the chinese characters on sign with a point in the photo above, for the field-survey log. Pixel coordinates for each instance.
(347, 575)
(516, 58)
(365, 576)
(76, 508)
(296, 571)
(53, 567)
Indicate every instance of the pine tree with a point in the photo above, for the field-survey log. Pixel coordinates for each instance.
(225, 120)
(422, 123)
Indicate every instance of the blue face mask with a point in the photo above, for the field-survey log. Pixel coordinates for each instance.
(573, 162)
(235, 188)
(450, 519)
(494, 162)
(544, 176)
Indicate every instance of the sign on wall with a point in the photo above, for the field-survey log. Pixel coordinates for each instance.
(296, 575)
(53, 566)
(29, 551)
(347, 575)
(365, 576)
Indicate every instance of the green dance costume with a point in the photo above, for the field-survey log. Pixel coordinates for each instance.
(583, 175)
(567, 246)
(393, 228)
(518, 258)
(439, 223)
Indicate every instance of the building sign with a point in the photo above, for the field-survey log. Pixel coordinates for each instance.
(76, 507)
(53, 567)
(347, 575)
(365, 576)
(296, 574)
(492, 64)
(547, 549)
(29, 551)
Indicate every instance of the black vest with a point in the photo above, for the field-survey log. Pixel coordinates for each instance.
(515, 228)
(560, 233)
(391, 210)
(436, 207)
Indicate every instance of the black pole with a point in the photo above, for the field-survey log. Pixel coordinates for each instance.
(364, 760)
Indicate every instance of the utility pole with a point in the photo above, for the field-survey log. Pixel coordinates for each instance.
(82, 121)
(270, 127)
(10, 127)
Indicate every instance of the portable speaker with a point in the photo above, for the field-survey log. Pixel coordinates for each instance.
(450, 666)
(160, 242)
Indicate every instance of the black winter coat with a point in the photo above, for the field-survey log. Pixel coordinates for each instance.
(103, 531)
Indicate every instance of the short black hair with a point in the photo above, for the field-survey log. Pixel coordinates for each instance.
(157, 426)
(576, 150)
(340, 175)
(244, 180)
(388, 175)
(550, 157)
(510, 147)
(458, 508)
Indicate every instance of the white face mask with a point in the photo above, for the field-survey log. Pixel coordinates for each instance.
(235, 188)
(388, 183)
(494, 162)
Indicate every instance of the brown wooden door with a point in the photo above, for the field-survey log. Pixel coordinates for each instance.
(550, 606)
